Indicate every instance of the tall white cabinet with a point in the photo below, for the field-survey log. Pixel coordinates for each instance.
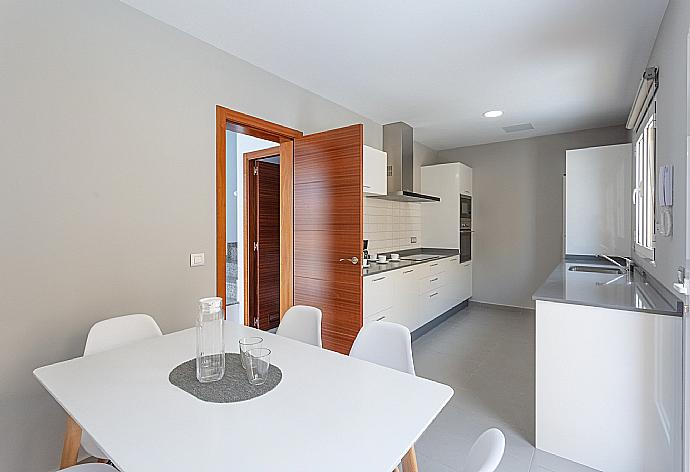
(441, 221)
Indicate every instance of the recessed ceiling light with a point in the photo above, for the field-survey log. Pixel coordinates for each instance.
(493, 114)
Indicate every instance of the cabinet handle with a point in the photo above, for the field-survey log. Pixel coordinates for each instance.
(408, 271)
(434, 279)
(379, 319)
(433, 265)
(380, 278)
(433, 294)
(367, 186)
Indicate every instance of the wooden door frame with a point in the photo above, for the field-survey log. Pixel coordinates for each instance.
(248, 157)
(230, 120)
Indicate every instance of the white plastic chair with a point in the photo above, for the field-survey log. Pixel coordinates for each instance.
(385, 343)
(487, 452)
(91, 468)
(389, 345)
(110, 334)
(302, 323)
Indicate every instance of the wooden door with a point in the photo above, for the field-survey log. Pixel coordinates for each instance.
(265, 216)
(328, 231)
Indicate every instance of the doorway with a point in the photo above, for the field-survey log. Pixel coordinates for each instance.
(262, 236)
(320, 224)
(238, 134)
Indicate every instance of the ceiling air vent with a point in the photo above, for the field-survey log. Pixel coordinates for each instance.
(516, 128)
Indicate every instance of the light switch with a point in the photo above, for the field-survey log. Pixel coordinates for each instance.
(196, 260)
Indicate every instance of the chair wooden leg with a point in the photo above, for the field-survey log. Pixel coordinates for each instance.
(409, 461)
(70, 447)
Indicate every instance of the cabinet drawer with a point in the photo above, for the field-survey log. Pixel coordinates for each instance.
(431, 304)
(383, 315)
(378, 293)
(431, 282)
(435, 267)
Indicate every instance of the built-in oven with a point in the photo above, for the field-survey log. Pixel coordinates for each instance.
(465, 207)
(465, 245)
(465, 228)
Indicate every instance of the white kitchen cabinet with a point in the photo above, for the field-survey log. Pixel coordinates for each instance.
(383, 315)
(414, 296)
(465, 281)
(441, 220)
(378, 293)
(452, 271)
(431, 304)
(465, 180)
(375, 177)
(608, 386)
(406, 304)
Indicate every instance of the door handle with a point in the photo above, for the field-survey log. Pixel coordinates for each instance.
(353, 259)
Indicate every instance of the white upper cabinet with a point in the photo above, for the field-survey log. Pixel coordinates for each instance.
(465, 180)
(375, 178)
(441, 220)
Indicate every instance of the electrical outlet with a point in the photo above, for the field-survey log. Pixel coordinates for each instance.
(413, 239)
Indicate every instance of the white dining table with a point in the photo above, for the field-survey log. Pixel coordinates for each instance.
(330, 412)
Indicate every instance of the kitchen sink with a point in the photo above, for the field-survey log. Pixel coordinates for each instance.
(597, 269)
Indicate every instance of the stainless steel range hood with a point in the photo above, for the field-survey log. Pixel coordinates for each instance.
(398, 142)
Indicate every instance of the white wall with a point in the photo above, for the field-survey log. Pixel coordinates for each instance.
(670, 55)
(518, 210)
(597, 200)
(107, 183)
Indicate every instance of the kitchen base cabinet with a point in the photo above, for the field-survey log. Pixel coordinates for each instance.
(406, 304)
(416, 295)
(465, 280)
(432, 305)
(378, 293)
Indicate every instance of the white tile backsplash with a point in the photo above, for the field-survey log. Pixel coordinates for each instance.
(389, 225)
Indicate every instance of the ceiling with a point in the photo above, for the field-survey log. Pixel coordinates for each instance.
(561, 65)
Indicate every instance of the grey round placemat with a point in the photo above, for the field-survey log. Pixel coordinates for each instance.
(233, 387)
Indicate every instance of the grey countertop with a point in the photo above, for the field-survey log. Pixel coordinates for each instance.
(376, 268)
(634, 292)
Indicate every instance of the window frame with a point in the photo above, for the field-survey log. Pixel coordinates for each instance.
(644, 188)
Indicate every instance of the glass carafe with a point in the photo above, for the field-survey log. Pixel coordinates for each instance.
(210, 346)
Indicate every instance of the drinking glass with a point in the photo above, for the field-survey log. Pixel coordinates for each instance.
(258, 361)
(246, 344)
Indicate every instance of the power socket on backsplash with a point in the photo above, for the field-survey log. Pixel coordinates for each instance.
(413, 239)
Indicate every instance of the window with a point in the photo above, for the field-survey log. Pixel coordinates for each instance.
(643, 195)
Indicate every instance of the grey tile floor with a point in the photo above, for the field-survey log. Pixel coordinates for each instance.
(487, 355)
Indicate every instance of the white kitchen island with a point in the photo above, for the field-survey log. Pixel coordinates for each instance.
(608, 371)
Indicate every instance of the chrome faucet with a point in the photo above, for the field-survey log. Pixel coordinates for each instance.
(628, 262)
